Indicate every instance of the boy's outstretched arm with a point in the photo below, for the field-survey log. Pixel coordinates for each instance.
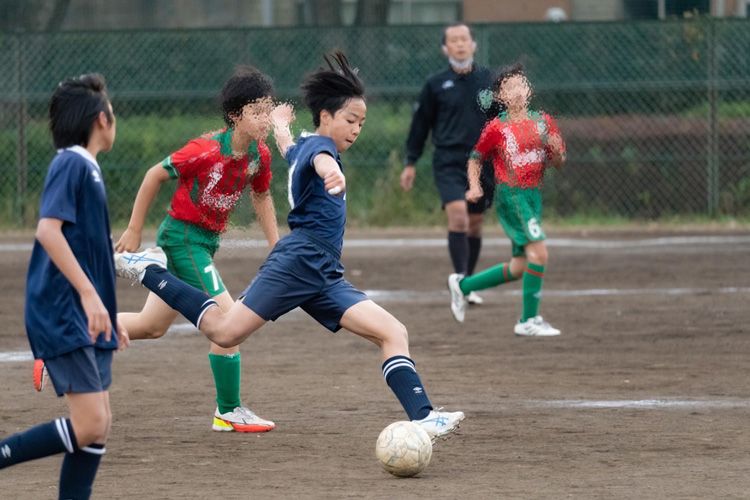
(264, 210)
(281, 118)
(152, 181)
(328, 170)
(50, 236)
(475, 187)
(556, 149)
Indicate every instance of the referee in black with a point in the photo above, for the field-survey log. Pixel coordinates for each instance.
(449, 106)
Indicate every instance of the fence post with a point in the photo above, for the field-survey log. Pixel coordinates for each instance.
(22, 154)
(712, 149)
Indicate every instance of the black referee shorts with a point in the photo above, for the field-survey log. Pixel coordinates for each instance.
(452, 181)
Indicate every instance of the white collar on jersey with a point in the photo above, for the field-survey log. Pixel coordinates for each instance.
(81, 151)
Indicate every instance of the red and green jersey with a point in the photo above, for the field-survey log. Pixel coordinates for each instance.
(518, 149)
(211, 179)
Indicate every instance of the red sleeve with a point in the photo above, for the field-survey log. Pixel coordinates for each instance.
(261, 181)
(552, 129)
(185, 162)
(490, 140)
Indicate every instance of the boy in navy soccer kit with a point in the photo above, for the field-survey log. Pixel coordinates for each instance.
(70, 290)
(304, 268)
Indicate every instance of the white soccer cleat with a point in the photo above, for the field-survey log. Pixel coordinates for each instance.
(241, 419)
(132, 265)
(474, 299)
(458, 301)
(440, 423)
(535, 327)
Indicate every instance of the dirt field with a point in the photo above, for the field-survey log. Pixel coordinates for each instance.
(645, 395)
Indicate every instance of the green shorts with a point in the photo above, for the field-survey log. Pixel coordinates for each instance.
(190, 250)
(519, 211)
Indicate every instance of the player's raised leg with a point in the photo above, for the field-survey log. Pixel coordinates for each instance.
(372, 322)
(224, 329)
(152, 322)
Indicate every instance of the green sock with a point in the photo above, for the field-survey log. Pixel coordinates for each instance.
(493, 276)
(532, 290)
(226, 369)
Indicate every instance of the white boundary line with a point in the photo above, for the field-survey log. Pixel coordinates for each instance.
(431, 296)
(639, 404)
(234, 243)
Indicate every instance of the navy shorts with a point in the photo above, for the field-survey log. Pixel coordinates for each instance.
(302, 272)
(451, 179)
(87, 369)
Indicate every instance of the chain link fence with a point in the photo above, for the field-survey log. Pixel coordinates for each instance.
(656, 114)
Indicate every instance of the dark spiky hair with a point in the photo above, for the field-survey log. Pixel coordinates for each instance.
(328, 89)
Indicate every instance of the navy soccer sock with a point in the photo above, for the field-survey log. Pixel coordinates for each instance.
(401, 376)
(187, 300)
(40, 441)
(475, 247)
(79, 471)
(458, 247)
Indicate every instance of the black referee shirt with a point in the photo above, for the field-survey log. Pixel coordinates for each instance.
(449, 106)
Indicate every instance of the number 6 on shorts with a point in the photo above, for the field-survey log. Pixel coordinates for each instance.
(535, 230)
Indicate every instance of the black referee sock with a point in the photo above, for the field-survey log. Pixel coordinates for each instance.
(458, 247)
(401, 376)
(187, 300)
(79, 471)
(38, 442)
(475, 247)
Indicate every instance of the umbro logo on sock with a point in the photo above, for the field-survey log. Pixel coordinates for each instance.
(418, 390)
(162, 284)
(6, 451)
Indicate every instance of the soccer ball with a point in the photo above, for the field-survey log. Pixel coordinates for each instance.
(404, 449)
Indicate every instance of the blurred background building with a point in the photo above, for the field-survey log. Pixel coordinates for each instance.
(165, 14)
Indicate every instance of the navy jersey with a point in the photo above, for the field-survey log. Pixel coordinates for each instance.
(312, 208)
(74, 193)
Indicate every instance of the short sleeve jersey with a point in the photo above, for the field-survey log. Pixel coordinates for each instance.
(312, 208)
(55, 320)
(519, 149)
(211, 179)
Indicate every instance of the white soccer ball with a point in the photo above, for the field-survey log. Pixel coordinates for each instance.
(404, 448)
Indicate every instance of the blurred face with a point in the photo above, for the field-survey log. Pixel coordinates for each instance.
(458, 43)
(254, 120)
(345, 125)
(515, 92)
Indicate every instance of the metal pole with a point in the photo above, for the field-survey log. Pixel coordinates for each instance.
(719, 8)
(662, 9)
(22, 157)
(266, 12)
(712, 149)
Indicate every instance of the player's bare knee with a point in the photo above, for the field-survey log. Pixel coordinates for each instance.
(402, 333)
(458, 223)
(93, 428)
(538, 257)
(228, 335)
(398, 335)
(154, 333)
